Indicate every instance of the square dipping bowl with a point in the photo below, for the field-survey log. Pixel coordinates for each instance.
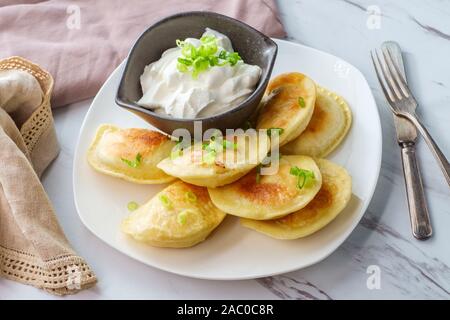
(254, 47)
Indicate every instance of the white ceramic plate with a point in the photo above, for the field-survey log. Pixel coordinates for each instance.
(232, 251)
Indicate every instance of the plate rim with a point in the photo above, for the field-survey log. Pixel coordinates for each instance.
(342, 238)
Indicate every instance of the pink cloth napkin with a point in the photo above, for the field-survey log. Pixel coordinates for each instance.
(81, 42)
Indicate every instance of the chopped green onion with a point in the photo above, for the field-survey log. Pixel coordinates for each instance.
(132, 206)
(210, 157)
(182, 68)
(189, 51)
(295, 171)
(200, 64)
(229, 145)
(233, 58)
(190, 196)
(199, 59)
(213, 61)
(182, 216)
(301, 102)
(165, 201)
(230, 57)
(212, 146)
(278, 131)
(223, 55)
(208, 38)
(305, 177)
(179, 43)
(207, 50)
(133, 163)
(187, 62)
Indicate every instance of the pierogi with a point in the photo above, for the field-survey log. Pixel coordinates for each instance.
(263, 197)
(331, 199)
(179, 216)
(216, 163)
(289, 105)
(131, 154)
(330, 122)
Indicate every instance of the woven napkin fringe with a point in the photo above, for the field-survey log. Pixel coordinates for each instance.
(60, 276)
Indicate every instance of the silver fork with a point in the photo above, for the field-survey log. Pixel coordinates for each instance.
(402, 102)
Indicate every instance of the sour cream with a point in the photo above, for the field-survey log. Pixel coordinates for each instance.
(168, 91)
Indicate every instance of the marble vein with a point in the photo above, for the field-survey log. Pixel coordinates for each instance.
(432, 30)
(286, 287)
(355, 4)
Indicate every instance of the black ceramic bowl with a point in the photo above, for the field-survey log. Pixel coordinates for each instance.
(253, 46)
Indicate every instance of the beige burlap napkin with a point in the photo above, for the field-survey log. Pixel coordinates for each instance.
(33, 248)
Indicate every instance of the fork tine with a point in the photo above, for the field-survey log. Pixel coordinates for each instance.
(388, 76)
(396, 72)
(378, 71)
(394, 75)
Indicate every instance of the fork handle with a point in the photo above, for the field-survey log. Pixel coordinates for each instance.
(440, 157)
(418, 212)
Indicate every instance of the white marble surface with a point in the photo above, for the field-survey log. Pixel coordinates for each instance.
(409, 268)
